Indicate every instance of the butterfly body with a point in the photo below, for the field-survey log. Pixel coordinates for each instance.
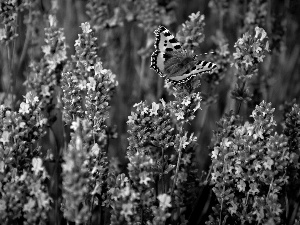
(177, 62)
(173, 62)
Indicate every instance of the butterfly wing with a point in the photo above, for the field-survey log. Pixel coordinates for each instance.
(157, 62)
(164, 42)
(200, 68)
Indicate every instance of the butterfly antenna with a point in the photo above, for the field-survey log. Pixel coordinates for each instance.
(204, 54)
(207, 53)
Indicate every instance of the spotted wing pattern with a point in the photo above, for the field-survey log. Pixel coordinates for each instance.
(165, 42)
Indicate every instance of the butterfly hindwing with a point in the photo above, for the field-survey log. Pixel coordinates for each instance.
(164, 42)
(200, 68)
(203, 67)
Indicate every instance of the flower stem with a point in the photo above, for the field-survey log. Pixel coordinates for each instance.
(177, 168)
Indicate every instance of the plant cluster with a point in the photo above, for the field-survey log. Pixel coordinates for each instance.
(23, 192)
(60, 151)
(249, 168)
(148, 14)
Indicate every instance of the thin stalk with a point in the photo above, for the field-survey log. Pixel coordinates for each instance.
(24, 49)
(287, 211)
(59, 156)
(239, 107)
(142, 73)
(247, 199)
(57, 176)
(209, 172)
(295, 211)
(202, 121)
(239, 101)
(159, 88)
(270, 187)
(176, 173)
(220, 216)
(10, 59)
(162, 172)
(93, 198)
(143, 68)
(294, 214)
(142, 218)
(27, 40)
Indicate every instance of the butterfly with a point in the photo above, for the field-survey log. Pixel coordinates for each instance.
(170, 60)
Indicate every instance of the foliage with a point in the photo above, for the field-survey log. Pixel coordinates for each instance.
(89, 135)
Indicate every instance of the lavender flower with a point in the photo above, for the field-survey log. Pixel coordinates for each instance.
(8, 17)
(149, 126)
(221, 7)
(98, 11)
(73, 103)
(249, 168)
(250, 51)
(256, 14)
(152, 133)
(151, 13)
(87, 92)
(23, 193)
(75, 175)
(24, 196)
(23, 189)
(99, 93)
(19, 131)
(220, 58)
(44, 76)
(87, 76)
(291, 130)
(192, 32)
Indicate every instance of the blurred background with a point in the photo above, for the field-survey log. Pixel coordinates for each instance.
(124, 29)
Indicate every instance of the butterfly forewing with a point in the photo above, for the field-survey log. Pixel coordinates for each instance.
(157, 62)
(165, 41)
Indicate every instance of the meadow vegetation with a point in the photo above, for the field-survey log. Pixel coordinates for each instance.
(89, 134)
